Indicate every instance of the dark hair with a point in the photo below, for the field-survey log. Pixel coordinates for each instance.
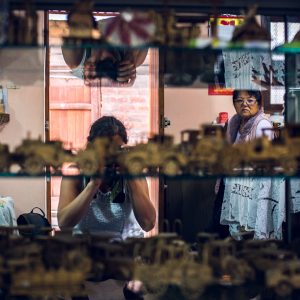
(252, 93)
(107, 126)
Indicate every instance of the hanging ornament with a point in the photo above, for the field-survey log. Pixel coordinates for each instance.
(129, 29)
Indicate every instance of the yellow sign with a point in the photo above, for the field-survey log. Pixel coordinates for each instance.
(228, 21)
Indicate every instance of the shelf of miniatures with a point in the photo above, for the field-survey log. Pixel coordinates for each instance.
(149, 150)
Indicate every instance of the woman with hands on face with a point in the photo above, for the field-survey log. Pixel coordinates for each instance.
(117, 64)
(120, 206)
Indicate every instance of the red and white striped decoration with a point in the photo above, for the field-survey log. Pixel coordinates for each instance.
(129, 29)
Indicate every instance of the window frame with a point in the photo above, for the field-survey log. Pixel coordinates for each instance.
(266, 23)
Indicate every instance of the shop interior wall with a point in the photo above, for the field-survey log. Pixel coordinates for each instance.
(22, 73)
(188, 108)
(191, 200)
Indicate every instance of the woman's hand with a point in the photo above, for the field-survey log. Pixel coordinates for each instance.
(126, 72)
(95, 183)
(74, 203)
(90, 68)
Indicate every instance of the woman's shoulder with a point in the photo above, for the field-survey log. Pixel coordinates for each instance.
(264, 122)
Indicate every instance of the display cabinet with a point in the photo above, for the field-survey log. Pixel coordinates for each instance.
(190, 58)
(189, 65)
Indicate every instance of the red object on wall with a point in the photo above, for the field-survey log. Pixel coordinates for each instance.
(223, 117)
(214, 90)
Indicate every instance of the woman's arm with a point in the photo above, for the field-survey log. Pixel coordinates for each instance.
(74, 203)
(127, 67)
(143, 208)
(138, 56)
(73, 56)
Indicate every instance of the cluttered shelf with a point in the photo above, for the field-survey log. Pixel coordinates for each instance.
(177, 37)
(210, 268)
(202, 46)
(81, 27)
(126, 176)
(203, 153)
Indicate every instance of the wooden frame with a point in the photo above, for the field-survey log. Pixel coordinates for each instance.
(265, 7)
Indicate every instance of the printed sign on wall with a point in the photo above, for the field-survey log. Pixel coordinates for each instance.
(225, 27)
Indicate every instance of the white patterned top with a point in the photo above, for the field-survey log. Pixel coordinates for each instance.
(7, 212)
(257, 204)
(104, 215)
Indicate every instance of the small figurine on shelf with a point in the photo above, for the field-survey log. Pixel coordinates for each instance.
(178, 35)
(284, 277)
(227, 268)
(264, 259)
(170, 32)
(204, 151)
(250, 33)
(171, 263)
(22, 27)
(98, 154)
(82, 24)
(33, 155)
(159, 152)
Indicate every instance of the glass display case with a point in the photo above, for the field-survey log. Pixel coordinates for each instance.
(176, 108)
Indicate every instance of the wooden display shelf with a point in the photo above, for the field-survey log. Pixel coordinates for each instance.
(4, 118)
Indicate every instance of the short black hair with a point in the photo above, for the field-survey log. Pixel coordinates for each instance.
(107, 126)
(252, 93)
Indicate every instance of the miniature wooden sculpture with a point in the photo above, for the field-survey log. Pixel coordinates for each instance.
(172, 33)
(228, 270)
(172, 264)
(97, 155)
(204, 155)
(201, 240)
(22, 28)
(112, 260)
(48, 267)
(33, 155)
(262, 156)
(250, 30)
(283, 278)
(159, 152)
(265, 259)
(82, 24)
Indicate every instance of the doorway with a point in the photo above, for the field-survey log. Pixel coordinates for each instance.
(74, 106)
